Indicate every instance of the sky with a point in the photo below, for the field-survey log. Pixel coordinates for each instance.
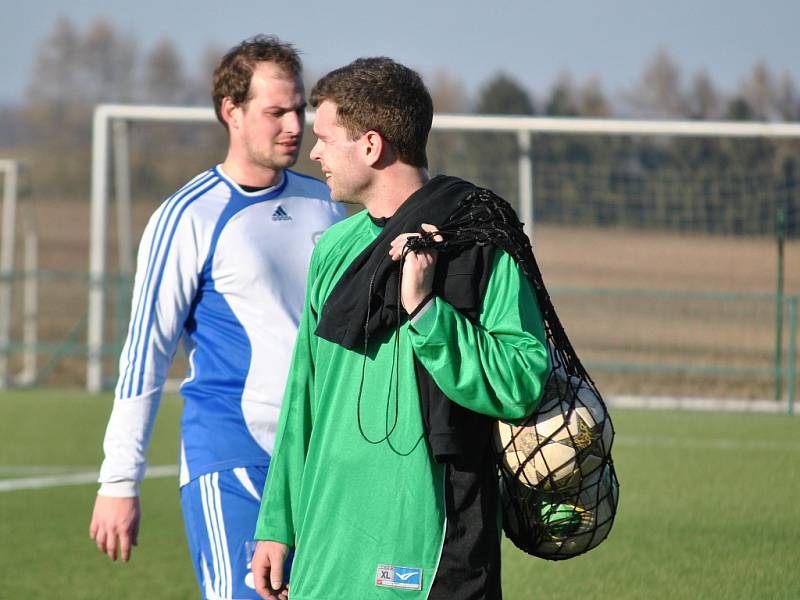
(530, 40)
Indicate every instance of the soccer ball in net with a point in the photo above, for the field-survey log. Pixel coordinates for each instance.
(566, 439)
(559, 526)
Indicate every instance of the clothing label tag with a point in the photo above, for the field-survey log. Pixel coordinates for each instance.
(406, 578)
(250, 550)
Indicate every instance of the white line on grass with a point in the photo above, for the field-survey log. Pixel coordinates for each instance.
(31, 483)
(24, 470)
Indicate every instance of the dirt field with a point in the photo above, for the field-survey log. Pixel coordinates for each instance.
(635, 330)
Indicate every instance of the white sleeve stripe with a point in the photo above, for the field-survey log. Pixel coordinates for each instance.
(147, 295)
(135, 315)
(153, 293)
(135, 323)
(149, 291)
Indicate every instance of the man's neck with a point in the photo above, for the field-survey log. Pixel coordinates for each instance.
(391, 191)
(250, 175)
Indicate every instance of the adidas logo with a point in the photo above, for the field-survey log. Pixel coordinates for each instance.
(280, 215)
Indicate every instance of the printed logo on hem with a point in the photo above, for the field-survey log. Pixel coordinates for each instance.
(250, 550)
(281, 215)
(405, 578)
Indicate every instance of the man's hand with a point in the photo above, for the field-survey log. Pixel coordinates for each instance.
(267, 567)
(418, 269)
(115, 518)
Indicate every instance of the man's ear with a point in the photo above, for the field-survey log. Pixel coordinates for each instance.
(374, 147)
(230, 112)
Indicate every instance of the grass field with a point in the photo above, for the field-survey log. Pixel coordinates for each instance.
(708, 509)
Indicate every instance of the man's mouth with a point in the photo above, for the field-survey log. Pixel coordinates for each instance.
(291, 146)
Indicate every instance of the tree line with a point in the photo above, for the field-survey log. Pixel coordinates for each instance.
(712, 185)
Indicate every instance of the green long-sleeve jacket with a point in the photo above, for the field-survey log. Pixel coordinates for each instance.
(352, 483)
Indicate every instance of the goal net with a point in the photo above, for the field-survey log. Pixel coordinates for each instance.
(670, 248)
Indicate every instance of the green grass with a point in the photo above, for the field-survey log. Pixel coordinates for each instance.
(45, 550)
(708, 509)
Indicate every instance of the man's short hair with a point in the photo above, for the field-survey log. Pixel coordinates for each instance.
(235, 70)
(379, 94)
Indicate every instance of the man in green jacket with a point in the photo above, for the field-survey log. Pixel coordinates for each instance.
(383, 478)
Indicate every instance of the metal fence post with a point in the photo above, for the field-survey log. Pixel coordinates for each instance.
(780, 226)
(791, 368)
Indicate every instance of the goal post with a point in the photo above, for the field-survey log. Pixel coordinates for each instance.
(112, 178)
(17, 214)
(110, 121)
(10, 171)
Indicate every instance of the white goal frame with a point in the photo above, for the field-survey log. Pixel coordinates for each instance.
(11, 170)
(10, 173)
(111, 121)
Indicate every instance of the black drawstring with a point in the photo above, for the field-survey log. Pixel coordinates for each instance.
(395, 370)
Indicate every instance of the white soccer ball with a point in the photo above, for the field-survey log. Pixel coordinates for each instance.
(568, 437)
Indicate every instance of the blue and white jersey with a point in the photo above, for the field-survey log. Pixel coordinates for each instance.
(225, 270)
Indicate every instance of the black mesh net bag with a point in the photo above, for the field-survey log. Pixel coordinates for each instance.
(558, 486)
(559, 490)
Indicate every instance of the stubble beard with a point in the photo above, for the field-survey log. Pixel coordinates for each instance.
(275, 161)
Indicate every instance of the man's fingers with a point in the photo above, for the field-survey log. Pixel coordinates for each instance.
(111, 545)
(261, 568)
(124, 546)
(100, 540)
(133, 531)
(267, 567)
(276, 573)
(428, 228)
(398, 244)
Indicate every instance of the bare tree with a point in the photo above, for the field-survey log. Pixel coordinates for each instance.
(108, 60)
(71, 73)
(164, 79)
(199, 84)
(787, 102)
(658, 93)
(759, 93)
(562, 101)
(446, 149)
(448, 92)
(54, 76)
(591, 99)
(703, 100)
(73, 68)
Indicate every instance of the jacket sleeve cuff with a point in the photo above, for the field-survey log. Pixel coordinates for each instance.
(424, 316)
(119, 489)
(273, 535)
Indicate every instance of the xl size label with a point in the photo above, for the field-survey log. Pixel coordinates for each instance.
(406, 578)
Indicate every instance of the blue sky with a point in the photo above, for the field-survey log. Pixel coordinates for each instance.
(531, 40)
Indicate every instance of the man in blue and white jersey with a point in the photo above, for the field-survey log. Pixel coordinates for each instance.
(223, 265)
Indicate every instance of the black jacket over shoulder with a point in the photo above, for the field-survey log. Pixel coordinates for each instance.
(366, 301)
